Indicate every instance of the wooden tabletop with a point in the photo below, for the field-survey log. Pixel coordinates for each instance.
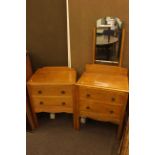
(53, 75)
(103, 40)
(107, 77)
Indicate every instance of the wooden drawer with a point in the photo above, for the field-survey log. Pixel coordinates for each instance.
(52, 104)
(100, 110)
(52, 101)
(49, 90)
(101, 95)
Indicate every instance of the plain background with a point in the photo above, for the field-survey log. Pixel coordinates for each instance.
(13, 68)
(46, 32)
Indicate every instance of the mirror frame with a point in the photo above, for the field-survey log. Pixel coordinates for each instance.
(120, 62)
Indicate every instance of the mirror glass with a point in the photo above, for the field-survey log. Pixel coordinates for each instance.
(108, 40)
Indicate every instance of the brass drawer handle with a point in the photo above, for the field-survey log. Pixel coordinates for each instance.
(87, 107)
(41, 102)
(63, 103)
(88, 95)
(63, 92)
(39, 92)
(111, 111)
(113, 99)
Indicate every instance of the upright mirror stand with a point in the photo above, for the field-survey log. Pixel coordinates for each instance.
(108, 44)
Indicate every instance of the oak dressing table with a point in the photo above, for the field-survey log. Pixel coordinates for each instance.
(102, 94)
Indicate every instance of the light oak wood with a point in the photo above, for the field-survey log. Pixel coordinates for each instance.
(76, 109)
(106, 110)
(53, 76)
(99, 117)
(53, 109)
(122, 48)
(102, 94)
(106, 69)
(51, 89)
(108, 82)
(52, 102)
(94, 44)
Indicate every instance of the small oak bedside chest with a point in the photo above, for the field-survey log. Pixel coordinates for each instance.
(102, 94)
(51, 89)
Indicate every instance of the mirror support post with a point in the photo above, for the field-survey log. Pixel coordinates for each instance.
(122, 48)
(94, 44)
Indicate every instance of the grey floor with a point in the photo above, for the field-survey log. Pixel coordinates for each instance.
(57, 137)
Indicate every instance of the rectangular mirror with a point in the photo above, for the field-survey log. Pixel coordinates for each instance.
(108, 40)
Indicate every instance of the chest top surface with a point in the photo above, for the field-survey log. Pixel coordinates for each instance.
(53, 75)
(112, 80)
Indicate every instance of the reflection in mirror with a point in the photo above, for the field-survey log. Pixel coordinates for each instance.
(108, 40)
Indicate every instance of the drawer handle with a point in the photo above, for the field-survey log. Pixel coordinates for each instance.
(87, 107)
(88, 95)
(41, 102)
(111, 111)
(113, 99)
(63, 103)
(63, 92)
(39, 92)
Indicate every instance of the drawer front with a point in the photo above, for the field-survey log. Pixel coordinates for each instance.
(104, 111)
(101, 95)
(47, 90)
(52, 104)
(52, 101)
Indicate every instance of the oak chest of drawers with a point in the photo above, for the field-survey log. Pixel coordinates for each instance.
(102, 94)
(51, 89)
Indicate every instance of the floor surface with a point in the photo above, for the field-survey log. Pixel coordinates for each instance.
(58, 137)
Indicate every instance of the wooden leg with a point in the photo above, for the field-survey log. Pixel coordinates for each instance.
(30, 117)
(76, 110)
(76, 123)
(30, 111)
(123, 116)
(119, 132)
(35, 118)
(30, 121)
